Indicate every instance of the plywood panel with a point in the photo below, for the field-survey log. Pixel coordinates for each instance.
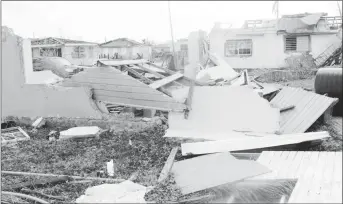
(208, 171)
(224, 109)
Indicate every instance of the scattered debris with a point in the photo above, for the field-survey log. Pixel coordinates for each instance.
(38, 200)
(38, 123)
(125, 192)
(38, 183)
(13, 134)
(110, 168)
(168, 165)
(80, 132)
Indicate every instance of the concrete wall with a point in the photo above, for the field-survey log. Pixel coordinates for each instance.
(267, 49)
(24, 100)
(320, 42)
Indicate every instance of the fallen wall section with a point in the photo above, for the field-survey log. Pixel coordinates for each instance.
(21, 99)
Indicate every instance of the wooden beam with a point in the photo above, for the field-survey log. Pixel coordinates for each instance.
(134, 72)
(150, 71)
(172, 72)
(168, 165)
(166, 80)
(189, 99)
(286, 108)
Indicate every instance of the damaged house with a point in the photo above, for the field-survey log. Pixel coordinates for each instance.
(273, 43)
(124, 48)
(77, 52)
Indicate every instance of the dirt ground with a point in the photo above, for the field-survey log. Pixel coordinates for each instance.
(145, 156)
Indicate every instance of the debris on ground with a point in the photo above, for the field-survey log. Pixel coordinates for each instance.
(13, 134)
(80, 132)
(125, 192)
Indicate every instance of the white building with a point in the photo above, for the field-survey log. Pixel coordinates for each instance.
(267, 43)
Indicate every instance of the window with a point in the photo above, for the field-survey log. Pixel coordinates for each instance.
(238, 48)
(297, 43)
(78, 52)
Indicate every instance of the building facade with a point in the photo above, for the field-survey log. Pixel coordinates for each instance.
(123, 48)
(77, 52)
(268, 43)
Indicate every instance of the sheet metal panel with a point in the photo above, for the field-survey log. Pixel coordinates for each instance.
(309, 106)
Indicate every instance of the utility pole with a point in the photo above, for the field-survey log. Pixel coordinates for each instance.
(172, 36)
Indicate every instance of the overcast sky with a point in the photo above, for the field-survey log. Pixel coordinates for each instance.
(95, 20)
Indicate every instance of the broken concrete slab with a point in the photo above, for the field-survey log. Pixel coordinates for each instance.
(80, 132)
(125, 192)
(223, 109)
(209, 171)
(249, 143)
(309, 106)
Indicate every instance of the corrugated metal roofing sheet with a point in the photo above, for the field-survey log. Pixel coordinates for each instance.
(309, 107)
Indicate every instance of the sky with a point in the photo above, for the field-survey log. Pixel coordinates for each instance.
(97, 21)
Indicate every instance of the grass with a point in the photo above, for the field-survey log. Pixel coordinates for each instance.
(146, 156)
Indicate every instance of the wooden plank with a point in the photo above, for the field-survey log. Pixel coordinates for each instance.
(142, 103)
(307, 177)
(286, 108)
(279, 164)
(209, 171)
(303, 186)
(166, 80)
(179, 80)
(272, 165)
(150, 71)
(336, 188)
(295, 164)
(328, 176)
(315, 190)
(168, 165)
(249, 143)
(282, 173)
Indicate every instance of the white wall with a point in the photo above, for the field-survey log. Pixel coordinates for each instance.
(267, 48)
(31, 77)
(91, 56)
(128, 53)
(320, 42)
